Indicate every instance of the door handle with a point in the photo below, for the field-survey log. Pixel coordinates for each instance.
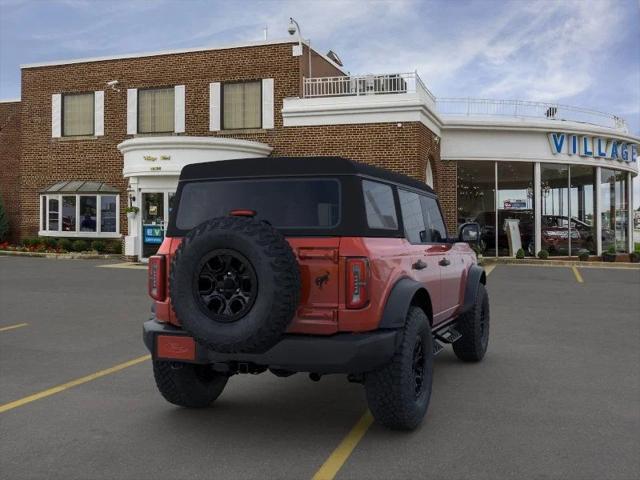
(444, 262)
(419, 265)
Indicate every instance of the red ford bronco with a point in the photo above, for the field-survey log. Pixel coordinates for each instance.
(319, 265)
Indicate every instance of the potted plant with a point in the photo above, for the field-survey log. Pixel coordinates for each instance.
(131, 212)
(635, 256)
(583, 255)
(520, 253)
(610, 255)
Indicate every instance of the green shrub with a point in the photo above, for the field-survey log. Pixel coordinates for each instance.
(520, 253)
(99, 246)
(80, 246)
(65, 244)
(543, 254)
(4, 223)
(611, 249)
(636, 247)
(30, 242)
(583, 255)
(115, 246)
(634, 257)
(50, 243)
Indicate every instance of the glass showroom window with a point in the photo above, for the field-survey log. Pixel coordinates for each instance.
(476, 200)
(79, 215)
(156, 110)
(582, 209)
(242, 105)
(77, 114)
(515, 207)
(614, 208)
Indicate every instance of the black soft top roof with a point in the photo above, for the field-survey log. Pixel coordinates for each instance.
(293, 166)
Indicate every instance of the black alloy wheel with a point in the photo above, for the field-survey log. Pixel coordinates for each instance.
(227, 285)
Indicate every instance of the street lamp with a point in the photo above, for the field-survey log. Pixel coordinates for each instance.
(293, 28)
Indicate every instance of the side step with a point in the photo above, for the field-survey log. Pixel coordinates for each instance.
(448, 335)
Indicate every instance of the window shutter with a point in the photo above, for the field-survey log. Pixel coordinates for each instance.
(98, 111)
(214, 107)
(132, 111)
(178, 110)
(267, 103)
(56, 115)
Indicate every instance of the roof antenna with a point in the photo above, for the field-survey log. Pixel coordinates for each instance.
(266, 32)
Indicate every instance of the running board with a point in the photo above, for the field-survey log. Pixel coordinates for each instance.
(448, 335)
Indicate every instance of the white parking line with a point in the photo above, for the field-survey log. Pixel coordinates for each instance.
(129, 265)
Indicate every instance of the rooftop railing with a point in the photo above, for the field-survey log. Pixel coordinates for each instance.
(399, 83)
(478, 107)
(356, 85)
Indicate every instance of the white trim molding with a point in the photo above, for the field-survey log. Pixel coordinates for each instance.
(167, 155)
(268, 119)
(214, 107)
(132, 111)
(179, 108)
(98, 112)
(56, 115)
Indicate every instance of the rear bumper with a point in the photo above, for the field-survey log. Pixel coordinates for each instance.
(339, 353)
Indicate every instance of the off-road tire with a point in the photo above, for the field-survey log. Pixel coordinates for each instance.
(474, 327)
(278, 284)
(188, 385)
(391, 392)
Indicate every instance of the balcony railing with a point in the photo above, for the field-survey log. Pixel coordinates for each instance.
(476, 107)
(356, 85)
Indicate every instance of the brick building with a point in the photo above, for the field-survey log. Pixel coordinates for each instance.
(91, 137)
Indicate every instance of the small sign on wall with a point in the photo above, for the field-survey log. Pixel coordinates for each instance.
(152, 234)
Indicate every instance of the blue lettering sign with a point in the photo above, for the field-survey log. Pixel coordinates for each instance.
(634, 153)
(586, 149)
(601, 150)
(624, 152)
(152, 234)
(573, 146)
(614, 150)
(557, 141)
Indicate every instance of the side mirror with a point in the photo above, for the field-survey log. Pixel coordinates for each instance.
(469, 233)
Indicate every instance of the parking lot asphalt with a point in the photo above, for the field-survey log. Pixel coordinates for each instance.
(558, 395)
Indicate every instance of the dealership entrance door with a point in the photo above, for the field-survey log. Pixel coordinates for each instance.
(156, 207)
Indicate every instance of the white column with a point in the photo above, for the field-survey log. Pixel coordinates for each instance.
(537, 207)
(598, 212)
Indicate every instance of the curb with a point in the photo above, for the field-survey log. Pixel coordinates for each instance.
(559, 263)
(63, 256)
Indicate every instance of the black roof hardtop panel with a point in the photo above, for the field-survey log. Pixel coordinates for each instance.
(292, 166)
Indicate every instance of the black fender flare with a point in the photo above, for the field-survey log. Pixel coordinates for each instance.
(475, 277)
(400, 299)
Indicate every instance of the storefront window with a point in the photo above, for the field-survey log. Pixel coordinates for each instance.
(77, 215)
(554, 190)
(614, 210)
(515, 208)
(53, 213)
(87, 214)
(476, 200)
(69, 213)
(582, 209)
(108, 213)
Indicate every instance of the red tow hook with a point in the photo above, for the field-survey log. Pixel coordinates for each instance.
(243, 213)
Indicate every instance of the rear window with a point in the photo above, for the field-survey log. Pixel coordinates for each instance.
(285, 203)
(380, 206)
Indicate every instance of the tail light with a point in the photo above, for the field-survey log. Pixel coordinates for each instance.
(357, 282)
(157, 277)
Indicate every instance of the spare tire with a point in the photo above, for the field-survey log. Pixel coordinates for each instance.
(235, 284)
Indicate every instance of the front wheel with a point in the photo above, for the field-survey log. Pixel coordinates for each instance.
(398, 394)
(188, 385)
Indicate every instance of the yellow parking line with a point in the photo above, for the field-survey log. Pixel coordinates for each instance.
(133, 266)
(335, 461)
(11, 327)
(73, 383)
(577, 274)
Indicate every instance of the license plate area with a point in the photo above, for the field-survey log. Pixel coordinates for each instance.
(175, 347)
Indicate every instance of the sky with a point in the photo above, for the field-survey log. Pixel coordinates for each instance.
(576, 52)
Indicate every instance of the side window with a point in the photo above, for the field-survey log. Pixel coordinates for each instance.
(435, 231)
(379, 205)
(414, 221)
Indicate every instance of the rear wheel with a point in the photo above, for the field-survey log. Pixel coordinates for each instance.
(398, 394)
(188, 385)
(474, 327)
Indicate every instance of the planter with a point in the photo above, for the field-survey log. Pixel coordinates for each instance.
(609, 257)
(634, 257)
(131, 216)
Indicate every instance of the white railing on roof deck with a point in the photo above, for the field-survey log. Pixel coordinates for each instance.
(475, 107)
(356, 85)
